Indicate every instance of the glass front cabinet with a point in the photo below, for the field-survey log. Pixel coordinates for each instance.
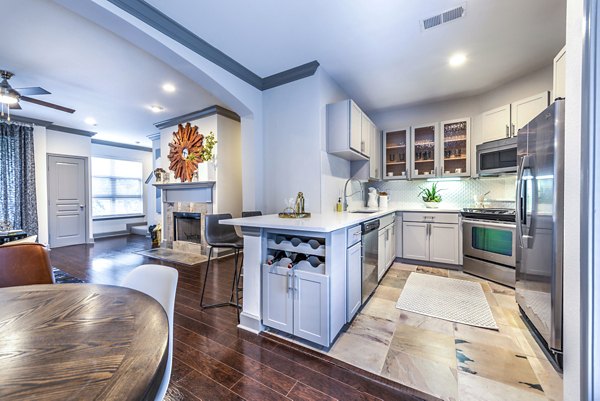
(396, 145)
(428, 150)
(424, 151)
(455, 149)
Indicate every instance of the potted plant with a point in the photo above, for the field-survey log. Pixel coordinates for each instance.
(431, 196)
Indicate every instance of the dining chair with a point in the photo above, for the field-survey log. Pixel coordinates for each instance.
(159, 282)
(222, 236)
(24, 264)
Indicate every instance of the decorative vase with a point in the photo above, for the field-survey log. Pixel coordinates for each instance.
(211, 168)
(432, 205)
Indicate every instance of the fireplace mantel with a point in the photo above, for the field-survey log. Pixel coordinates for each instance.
(201, 191)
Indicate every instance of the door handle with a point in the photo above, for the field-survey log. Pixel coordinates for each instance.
(514, 130)
(81, 207)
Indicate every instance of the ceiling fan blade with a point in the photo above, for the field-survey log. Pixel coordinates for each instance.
(15, 106)
(33, 90)
(47, 104)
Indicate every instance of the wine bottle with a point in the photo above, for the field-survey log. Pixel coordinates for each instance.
(276, 258)
(299, 258)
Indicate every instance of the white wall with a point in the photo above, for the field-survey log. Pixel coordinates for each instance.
(112, 152)
(572, 285)
(292, 142)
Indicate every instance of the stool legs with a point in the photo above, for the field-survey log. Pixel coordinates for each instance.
(234, 285)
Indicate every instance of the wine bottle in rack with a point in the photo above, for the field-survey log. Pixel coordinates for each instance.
(299, 257)
(273, 259)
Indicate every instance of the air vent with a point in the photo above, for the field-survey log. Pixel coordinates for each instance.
(453, 14)
(432, 22)
(446, 16)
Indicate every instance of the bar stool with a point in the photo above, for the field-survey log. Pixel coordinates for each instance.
(223, 237)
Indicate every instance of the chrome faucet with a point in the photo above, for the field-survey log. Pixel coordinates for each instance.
(346, 196)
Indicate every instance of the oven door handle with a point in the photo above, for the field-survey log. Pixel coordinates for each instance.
(480, 223)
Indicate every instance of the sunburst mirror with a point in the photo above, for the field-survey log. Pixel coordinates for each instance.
(185, 153)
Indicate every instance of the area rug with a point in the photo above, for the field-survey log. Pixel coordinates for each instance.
(445, 298)
(61, 277)
(169, 255)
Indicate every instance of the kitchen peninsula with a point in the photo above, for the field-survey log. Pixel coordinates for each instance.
(321, 293)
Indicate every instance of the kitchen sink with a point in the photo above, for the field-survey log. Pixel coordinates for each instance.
(362, 211)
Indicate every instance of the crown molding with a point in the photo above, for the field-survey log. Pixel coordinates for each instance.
(27, 120)
(207, 112)
(121, 145)
(162, 23)
(154, 137)
(73, 131)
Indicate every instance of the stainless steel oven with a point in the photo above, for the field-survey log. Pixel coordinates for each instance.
(489, 249)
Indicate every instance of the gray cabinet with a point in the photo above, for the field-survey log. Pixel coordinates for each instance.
(431, 237)
(415, 240)
(381, 253)
(349, 131)
(353, 277)
(278, 298)
(398, 225)
(311, 305)
(296, 302)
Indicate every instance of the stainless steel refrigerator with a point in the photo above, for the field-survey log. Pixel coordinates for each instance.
(539, 218)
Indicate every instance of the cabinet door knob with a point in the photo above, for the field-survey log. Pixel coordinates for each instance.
(507, 131)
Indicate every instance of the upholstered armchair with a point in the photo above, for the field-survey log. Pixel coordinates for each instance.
(24, 264)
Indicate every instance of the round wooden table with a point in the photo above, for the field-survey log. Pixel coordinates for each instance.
(80, 342)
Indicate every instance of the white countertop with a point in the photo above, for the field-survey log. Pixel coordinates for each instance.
(325, 222)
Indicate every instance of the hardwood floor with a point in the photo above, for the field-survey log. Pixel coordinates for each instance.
(213, 359)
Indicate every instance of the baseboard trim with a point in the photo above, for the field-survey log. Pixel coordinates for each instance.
(111, 234)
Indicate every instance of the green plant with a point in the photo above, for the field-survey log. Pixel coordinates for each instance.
(209, 143)
(431, 194)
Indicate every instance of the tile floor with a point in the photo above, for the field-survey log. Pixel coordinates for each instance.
(448, 360)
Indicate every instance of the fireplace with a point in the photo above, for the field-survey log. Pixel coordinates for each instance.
(187, 226)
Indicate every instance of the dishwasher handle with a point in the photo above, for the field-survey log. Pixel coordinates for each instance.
(369, 226)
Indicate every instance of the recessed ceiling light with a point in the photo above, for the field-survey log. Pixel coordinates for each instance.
(168, 87)
(156, 109)
(90, 121)
(457, 60)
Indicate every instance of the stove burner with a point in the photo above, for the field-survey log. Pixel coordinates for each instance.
(489, 214)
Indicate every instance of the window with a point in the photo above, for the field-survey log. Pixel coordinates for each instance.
(116, 187)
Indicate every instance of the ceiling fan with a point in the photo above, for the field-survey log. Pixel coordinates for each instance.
(12, 97)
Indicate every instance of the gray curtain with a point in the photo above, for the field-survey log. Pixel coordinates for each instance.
(18, 204)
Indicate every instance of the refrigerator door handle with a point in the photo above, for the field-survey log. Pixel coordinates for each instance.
(519, 201)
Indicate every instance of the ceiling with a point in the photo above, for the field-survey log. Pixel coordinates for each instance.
(376, 50)
(90, 69)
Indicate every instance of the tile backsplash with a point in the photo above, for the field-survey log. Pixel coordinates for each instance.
(455, 194)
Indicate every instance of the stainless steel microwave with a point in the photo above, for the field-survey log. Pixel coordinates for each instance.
(497, 157)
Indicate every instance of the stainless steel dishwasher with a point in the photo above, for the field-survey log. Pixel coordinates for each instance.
(370, 249)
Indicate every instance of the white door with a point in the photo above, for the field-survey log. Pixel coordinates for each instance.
(278, 298)
(525, 110)
(415, 240)
(311, 307)
(67, 200)
(443, 243)
(365, 135)
(381, 254)
(355, 127)
(354, 283)
(495, 124)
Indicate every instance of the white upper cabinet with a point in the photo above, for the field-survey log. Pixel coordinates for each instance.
(355, 127)
(558, 79)
(495, 124)
(349, 131)
(375, 156)
(505, 121)
(366, 135)
(525, 110)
